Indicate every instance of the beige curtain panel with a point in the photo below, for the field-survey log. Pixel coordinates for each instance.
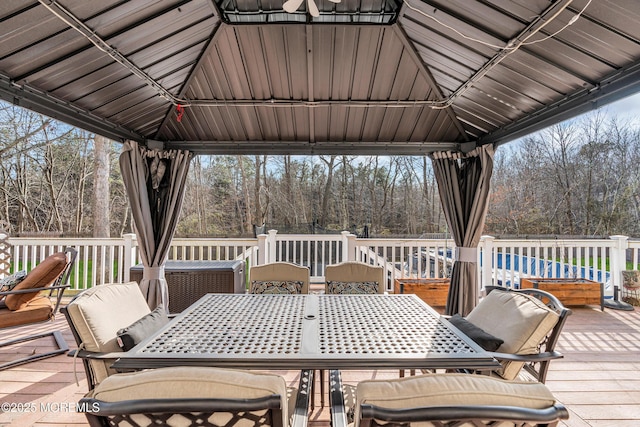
(155, 181)
(463, 185)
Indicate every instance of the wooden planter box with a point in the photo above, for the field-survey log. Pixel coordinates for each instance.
(432, 291)
(569, 291)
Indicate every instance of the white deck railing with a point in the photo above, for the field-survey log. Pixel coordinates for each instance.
(500, 261)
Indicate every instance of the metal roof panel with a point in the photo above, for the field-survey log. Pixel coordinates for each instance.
(438, 75)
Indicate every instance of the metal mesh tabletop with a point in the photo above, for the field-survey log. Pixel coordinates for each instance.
(228, 325)
(308, 331)
(365, 324)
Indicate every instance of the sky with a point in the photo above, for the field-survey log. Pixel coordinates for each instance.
(629, 106)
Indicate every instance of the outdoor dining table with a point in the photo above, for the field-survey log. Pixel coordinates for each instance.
(308, 332)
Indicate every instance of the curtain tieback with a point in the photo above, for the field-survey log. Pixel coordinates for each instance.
(465, 254)
(151, 273)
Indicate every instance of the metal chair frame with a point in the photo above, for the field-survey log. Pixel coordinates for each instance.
(440, 416)
(57, 287)
(103, 414)
(537, 365)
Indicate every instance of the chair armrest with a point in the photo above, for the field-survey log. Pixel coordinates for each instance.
(96, 355)
(463, 412)
(337, 408)
(32, 290)
(539, 357)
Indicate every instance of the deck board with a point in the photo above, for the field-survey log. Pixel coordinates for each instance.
(597, 380)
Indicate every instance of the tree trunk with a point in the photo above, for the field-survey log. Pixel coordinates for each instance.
(247, 214)
(258, 213)
(55, 221)
(100, 202)
(288, 191)
(101, 187)
(324, 210)
(82, 179)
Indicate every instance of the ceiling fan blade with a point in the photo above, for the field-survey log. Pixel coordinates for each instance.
(291, 5)
(335, 1)
(313, 9)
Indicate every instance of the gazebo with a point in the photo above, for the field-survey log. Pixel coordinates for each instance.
(450, 79)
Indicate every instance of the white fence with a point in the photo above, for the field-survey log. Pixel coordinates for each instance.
(500, 261)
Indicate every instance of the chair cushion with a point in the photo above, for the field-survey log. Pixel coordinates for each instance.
(354, 271)
(631, 279)
(451, 390)
(337, 287)
(520, 320)
(11, 281)
(132, 335)
(276, 287)
(482, 338)
(36, 310)
(190, 382)
(281, 271)
(41, 276)
(100, 312)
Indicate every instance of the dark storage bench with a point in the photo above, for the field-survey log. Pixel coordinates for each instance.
(187, 281)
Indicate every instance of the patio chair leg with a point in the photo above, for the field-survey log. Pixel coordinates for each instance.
(303, 399)
(318, 376)
(60, 343)
(337, 410)
(312, 388)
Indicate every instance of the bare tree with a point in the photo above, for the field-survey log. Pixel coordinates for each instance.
(100, 201)
(326, 194)
(260, 190)
(577, 177)
(101, 193)
(246, 214)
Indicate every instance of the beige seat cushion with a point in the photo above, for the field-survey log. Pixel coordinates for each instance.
(41, 276)
(281, 271)
(98, 313)
(354, 272)
(193, 382)
(451, 390)
(520, 320)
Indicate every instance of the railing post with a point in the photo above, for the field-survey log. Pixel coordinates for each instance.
(128, 255)
(5, 254)
(349, 246)
(486, 243)
(262, 249)
(617, 262)
(271, 246)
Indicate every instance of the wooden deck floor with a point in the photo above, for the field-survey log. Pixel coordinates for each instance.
(598, 380)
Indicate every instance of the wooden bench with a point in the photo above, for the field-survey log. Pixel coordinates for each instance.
(569, 291)
(432, 291)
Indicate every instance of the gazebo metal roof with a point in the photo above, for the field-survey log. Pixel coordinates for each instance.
(364, 77)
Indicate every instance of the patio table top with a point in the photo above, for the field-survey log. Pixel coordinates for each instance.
(309, 332)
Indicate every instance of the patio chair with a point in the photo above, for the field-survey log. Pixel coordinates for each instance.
(443, 400)
(282, 278)
(528, 322)
(196, 396)
(36, 299)
(95, 316)
(279, 278)
(354, 277)
(351, 277)
(631, 287)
